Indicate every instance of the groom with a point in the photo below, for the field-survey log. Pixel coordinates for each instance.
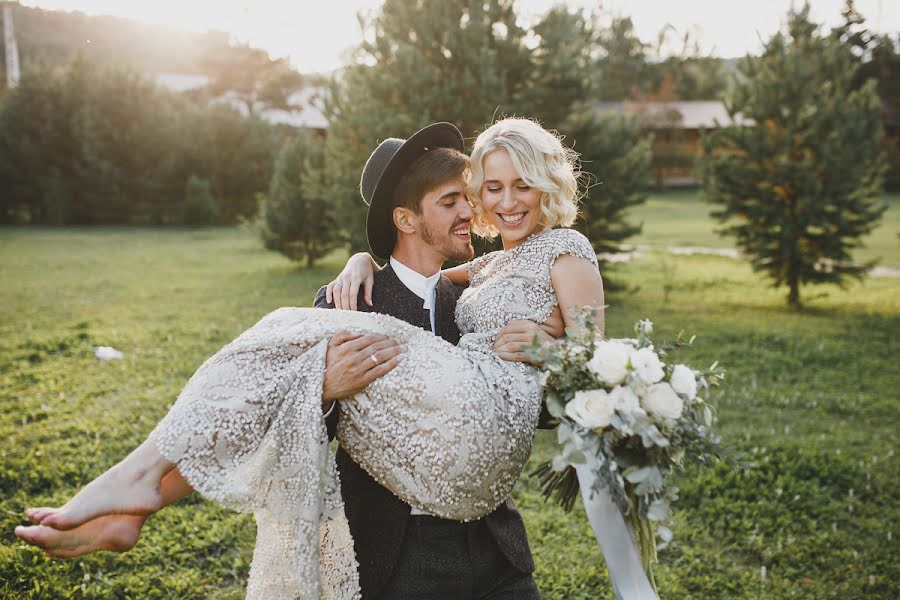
(418, 218)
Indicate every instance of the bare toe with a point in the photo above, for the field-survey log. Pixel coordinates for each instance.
(38, 514)
(60, 521)
(31, 535)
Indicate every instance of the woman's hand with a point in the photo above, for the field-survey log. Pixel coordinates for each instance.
(518, 335)
(344, 290)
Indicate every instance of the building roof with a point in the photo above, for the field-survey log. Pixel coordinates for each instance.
(308, 112)
(180, 82)
(679, 114)
(306, 104)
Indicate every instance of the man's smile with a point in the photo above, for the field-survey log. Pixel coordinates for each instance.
(462, 232)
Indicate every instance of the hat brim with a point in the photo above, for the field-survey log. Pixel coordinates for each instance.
(380, 230)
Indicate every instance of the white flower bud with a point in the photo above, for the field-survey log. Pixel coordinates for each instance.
(683, 381)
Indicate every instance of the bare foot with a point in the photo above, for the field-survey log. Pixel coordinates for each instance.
(131, 487)
(115, 533)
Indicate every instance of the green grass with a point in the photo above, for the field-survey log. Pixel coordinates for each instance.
(810, 397)
(682, 218)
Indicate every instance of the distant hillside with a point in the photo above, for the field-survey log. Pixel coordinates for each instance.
(53, 38)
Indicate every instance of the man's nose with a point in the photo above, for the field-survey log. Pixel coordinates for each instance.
(466, 212)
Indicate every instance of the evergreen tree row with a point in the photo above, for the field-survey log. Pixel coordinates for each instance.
(85, 145)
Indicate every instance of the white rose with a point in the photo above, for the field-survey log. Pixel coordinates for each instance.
(592, 409)
(625, 400)
(646, 365)
(683, 381)
(610, 362)
(662, 401)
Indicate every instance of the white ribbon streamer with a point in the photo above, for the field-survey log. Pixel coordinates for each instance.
(615, 538)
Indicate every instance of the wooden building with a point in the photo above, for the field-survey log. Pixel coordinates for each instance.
(676, 128)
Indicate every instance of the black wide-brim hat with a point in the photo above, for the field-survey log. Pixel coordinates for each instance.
(383, 171)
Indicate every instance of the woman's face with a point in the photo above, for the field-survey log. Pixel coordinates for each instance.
(509, 203)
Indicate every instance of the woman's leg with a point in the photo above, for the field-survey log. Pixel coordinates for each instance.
(114, 533)
(131, 487)
(231, 398)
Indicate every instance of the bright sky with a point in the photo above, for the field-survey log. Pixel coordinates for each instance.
(316, 34)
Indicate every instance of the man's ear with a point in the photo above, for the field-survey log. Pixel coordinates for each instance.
(405, 220)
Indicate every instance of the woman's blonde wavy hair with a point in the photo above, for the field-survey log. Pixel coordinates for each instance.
(541, 161)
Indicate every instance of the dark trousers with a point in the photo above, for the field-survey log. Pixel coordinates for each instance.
(449, 560)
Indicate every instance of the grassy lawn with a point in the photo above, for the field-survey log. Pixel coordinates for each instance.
(810, 398)
(682, 219)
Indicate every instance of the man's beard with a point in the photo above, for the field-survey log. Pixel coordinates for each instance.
(445, 243)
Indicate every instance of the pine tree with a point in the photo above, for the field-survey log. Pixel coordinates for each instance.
(623, 68)
(616, 161)
(296, 216)
(200, 207)
(562, 79)
(797, 184)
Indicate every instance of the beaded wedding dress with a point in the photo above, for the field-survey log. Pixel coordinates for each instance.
(448, 431)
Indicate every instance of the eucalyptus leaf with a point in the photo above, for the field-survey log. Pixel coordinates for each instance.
(576, 457)
(658, 511)
(559, 464)
(563, 432)
(555, 405)
(635, 475)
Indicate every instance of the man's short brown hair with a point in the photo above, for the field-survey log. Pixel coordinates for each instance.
(425, 173)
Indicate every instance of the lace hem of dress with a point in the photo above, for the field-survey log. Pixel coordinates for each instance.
(268, 454)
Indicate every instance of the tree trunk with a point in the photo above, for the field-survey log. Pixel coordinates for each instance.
(794, 294)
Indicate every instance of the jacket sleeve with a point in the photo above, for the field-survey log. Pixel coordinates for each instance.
(331, 417)
(546, 420)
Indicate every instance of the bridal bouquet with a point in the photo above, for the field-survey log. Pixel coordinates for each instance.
(637, 415)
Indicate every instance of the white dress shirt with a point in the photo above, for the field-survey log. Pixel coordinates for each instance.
(418, 284)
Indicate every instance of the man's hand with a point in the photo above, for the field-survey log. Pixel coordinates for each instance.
(516, 336)
(350, 367)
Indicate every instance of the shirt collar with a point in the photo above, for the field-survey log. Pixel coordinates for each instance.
(418, 284)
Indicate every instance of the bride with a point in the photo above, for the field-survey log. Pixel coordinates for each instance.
(248, 432)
